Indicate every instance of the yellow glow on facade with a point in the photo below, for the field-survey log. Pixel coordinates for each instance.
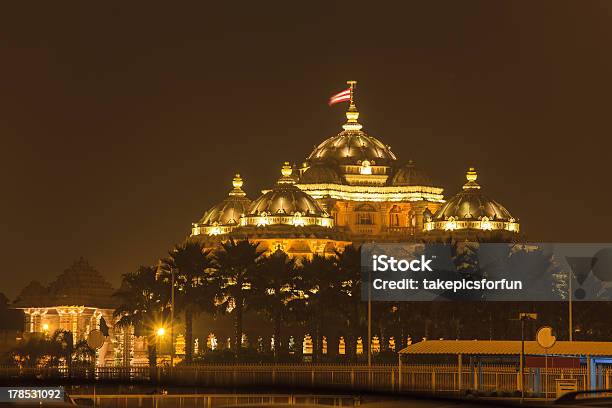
(485, 224)
(365, 168)
(298, 220)
(160, 332)
(45, 327)
(489, 225)
(195, 229)
(263, 220)
(373, 193)
(450, 225)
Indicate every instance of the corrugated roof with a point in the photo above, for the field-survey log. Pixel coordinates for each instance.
(512, 347)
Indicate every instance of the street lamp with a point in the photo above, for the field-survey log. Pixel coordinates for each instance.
(159, 334)
(523, 317)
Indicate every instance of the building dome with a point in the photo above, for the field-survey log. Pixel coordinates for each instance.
(320, 174)
(286, 204)
(352, 146)
(82, 285)
(225, 215)
(471, 209)
(411, 175)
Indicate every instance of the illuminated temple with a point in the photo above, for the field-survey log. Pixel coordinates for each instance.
(352, 189)
(75, 301)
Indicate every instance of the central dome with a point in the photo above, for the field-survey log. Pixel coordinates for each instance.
(352, 146)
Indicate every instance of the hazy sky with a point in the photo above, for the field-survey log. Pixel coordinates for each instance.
(121, 125)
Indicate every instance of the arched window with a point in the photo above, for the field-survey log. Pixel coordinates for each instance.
(365, 214)
(394, 216)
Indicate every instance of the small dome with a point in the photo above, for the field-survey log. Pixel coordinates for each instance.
(411, 175)
(352, 146)
(228, 211)
(286, 199)
(320, 174)
(286, 205)
(471, 208)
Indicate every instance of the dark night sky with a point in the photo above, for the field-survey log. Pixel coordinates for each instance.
(121, 125)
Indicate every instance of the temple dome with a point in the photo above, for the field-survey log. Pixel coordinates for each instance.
(79, 285)
(320, 174)
(286, 199)
(352, 146)
(470, 208)
(286, 204)
(411, 175)
(82, 285)
(228, 211)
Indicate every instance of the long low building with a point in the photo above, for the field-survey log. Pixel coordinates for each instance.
(473, 353)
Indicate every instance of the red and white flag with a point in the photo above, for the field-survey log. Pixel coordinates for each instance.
(340, 97)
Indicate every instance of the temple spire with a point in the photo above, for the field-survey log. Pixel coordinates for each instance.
(352, 114)
(352, 86)
(471, 177)
(237, 184)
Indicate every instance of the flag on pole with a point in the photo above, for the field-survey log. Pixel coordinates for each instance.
(341, 97)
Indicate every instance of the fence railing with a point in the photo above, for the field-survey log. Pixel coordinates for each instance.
(501, 379)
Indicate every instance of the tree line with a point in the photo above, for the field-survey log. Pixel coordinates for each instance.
(321, 295)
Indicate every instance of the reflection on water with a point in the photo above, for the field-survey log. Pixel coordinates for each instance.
(161, 398)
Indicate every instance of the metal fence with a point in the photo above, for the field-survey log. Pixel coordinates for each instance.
(430, 378)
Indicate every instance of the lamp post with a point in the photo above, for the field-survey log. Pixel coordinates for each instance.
(172, 322)
(369, 321)
(159, 333)
(570, 311)
(523, 317)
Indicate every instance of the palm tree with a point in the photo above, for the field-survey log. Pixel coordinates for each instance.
(321, 289)
(236, 262)
(141, 302)
(274, 288)
(194, 284)
(350, 305)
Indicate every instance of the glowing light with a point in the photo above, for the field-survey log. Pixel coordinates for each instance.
(237, 181)
(286, 170)
(485, 224)
(298, 220)
(45, 327)
(214, 231)
(373, 193)
(160, 332)
(307, 346)
(365, 168)
(195, 229)
(263, 220)
(451, 224)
